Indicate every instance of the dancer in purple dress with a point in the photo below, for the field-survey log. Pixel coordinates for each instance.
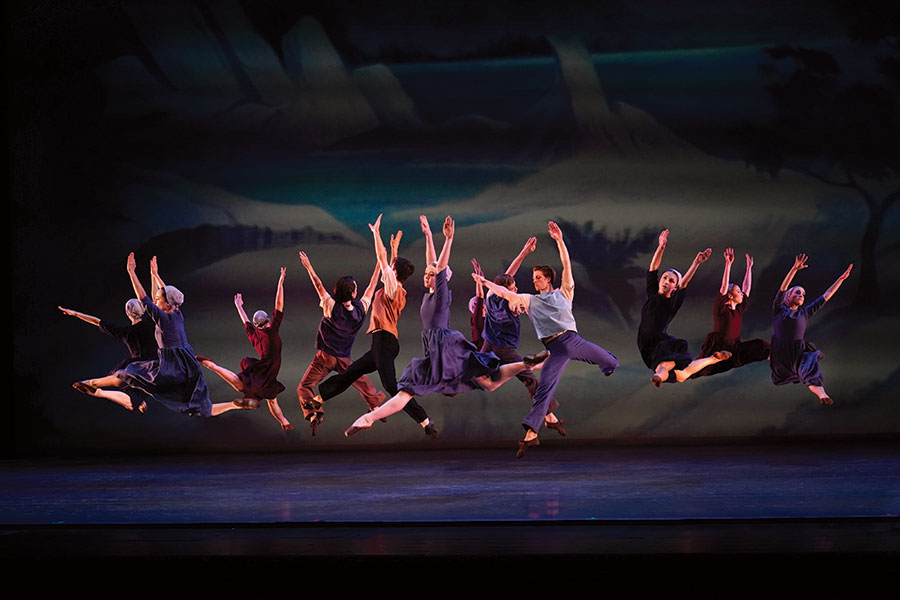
(139, 338)
(258, 379)
(728, 313)
(452, 364)
(794, 360)
(174, 378)
(554, 323)
(665, 355)
(343, 315)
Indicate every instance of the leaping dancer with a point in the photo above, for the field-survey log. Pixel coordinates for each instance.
(258, 379)
(452, 364)
(554, 323)
(665, 355)
(794, 360)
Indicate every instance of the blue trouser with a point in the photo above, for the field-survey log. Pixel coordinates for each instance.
(566, 347)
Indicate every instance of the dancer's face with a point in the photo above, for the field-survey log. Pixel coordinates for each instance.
(735, 293)
(160, 300)
(540, 281)
(668, 283)
(795, 297)
(428, 276)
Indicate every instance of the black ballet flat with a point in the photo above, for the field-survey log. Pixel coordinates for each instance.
(353, 430)
(558, 426)
(524, 445)
(532, 360)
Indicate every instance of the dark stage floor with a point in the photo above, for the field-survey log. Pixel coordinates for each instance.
(613, 508)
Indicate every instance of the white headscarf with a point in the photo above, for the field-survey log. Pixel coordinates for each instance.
(134, 309)
(173, 296)
(260, 318)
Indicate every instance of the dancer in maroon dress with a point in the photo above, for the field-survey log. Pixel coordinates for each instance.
(258, 377)
(727, 318)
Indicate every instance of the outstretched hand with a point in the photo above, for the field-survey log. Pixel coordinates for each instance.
(449, 227)
(238, 300)
(154, 266)
(530, 246)
(478, 277)
(477, 267)
(555, 231)
(663, 238)
(67, 311)
(749, 260)
(703, 256)
(130, 264)
(376, 227)
(846, 273)
(304, 260)
(283, 273)
(395, 241)
(729, 255)
(423, 223)
(800, 262)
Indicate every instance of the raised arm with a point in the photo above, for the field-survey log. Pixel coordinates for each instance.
(567, 281)
(279, 292)
(479, 289)
(325, 299)
(130, 266)
(444, 258)
(430, 255)
(726, 276)
(701, 258)
(660, 249)
(523, 300)
(84, 317)
(527, 249)
(799, 264)
(239, 305)
(748, 276)
(370, 289)
(388, 277)
(834, 286)
(157, 281)
(395, 244)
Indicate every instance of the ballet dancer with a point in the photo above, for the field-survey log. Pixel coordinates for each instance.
(342, 317)
(387, 304)
(452, 364)
(554, 323)
(174, 378)
(139, 338)
(501, 330)
(258, 377)
(665, 355)
(728, 313)
(793, 359)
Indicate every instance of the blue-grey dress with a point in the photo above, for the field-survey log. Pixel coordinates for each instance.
(451, 361)
(174, 378)
(792, 358)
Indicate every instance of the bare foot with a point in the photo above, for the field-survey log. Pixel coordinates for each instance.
(722, 355)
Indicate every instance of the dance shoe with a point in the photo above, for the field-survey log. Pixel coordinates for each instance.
(313, 405)
(524, 445)
(722, 354)
(246, 403)
(84, 387)
(315, 422)
(826, 401)
(657, 380)
(353, 430)
(287, 427)
(200, 359)
(532, 360)
(557, 425)
(431, 431)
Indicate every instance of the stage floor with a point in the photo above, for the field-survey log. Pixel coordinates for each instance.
(799, 500)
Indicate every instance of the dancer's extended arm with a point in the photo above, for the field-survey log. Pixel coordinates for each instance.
(239, 305)
(444, 258)
(522, 300)
(527, 249)
(726, 275)
(430, 255)
(84, 317)
(660, 249)
(479, 289)
(388, 277)
(370, 289)
(799, 264)
(701, 258)
(567, 280)
(130, 266)
(834, 286)
(748, 276)
(325, 299)
(154, 275)
(395, 245)
(279, 292)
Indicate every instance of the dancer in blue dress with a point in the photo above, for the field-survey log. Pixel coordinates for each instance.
(793, 359)
(174, 378)
(452, 364)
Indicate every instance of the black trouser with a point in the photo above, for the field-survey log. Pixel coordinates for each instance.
(380, 357)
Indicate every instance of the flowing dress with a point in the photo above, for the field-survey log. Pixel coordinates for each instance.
(259, 375)
(140, 339)
(451, 361)
(793, 359)
(726, 335)
(174, 378)
(653, 340)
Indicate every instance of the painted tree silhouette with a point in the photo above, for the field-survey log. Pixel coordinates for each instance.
(844, 134)
(610, 265)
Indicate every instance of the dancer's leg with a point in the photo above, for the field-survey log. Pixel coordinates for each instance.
(820, 393)
(230, 377)
(120, 398)
(551, 373)
(322, 364)
(700, 363)
(221, 407)
(662, 371)
(392, 406)
(275, 409)
(385, 349)
(108, 381)
(503, 374)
